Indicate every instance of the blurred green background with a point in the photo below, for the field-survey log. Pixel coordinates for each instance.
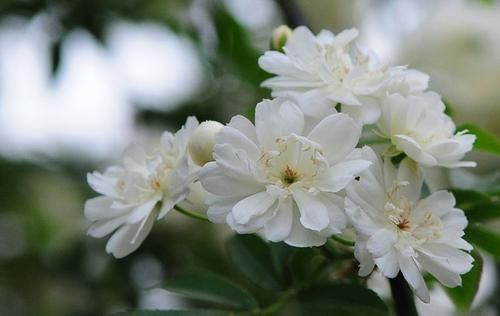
(81, 79)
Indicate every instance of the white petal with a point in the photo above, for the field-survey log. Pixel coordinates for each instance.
(442, 273)
(243, 125)
(278, 228)
(216, 181)
(390, 175)
(235, 160)
(278, 63)
(338, 218)
(382, 242)
(168, 204)
(337, 134)
(439, 203)
(102, 228)
(313, 212)
(454, 221)
(410, 147)
(303, 237)
(368, 193)
(142, 211)
(435, 178)
(105, 184)
(277, 118)
(454, 259)
(366, 113)
(388, 264)
(339, 176)
(408, 171)
(301, 45)
(120, 244)
(252, 206)
(100, 208)
(342, 95)
(219, 207)
(359, 219)
(238, 141)
(414, 277)
(365, 258)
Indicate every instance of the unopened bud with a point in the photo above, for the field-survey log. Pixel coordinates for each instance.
(201, 144)
(281, 34)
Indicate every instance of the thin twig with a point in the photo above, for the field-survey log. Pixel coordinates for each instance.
(191, 214)
(343, 241)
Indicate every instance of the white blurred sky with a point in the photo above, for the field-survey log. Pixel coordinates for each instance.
(86, 109)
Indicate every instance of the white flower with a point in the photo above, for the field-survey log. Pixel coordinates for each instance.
(328, 67)
(417, 126)
(404, 81)
(144, 188)
(397, 231)
(201, 144)
(280, 179)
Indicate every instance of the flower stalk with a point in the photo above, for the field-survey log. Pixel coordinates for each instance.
(191, 214)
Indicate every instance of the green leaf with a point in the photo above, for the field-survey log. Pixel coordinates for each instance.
(304, 265)
(236, 47)
(251, 255)
(485, 140)
(212, 288)
(281, 254)
(477, 206)
(463, 296)
(484, 239)
(173, 313)
(341, 299)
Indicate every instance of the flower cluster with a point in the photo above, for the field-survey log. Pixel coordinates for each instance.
(298, 175)
(145, 187)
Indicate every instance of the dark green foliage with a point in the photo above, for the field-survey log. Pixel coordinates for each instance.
(212, 288)
(252, 256)
(341, 299)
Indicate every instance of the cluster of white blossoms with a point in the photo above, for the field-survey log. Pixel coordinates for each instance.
(297, 174)
(144, 188)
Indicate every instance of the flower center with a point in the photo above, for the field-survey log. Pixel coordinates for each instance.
(289, 176)
(398, 213)
(293, 162)
(416, 227)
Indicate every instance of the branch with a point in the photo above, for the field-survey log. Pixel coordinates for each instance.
(293, 15)
(402, 295)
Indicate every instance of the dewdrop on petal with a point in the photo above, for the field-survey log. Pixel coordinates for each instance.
(280, 37)
(201, 144)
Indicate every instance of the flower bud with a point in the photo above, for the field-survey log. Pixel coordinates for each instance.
(201, 144)
(281, 34)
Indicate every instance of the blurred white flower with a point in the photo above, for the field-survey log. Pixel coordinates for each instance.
(397, 231)
(404, 81)
(281, 179)
(329, 67)
(417, 126)
(144, 188)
